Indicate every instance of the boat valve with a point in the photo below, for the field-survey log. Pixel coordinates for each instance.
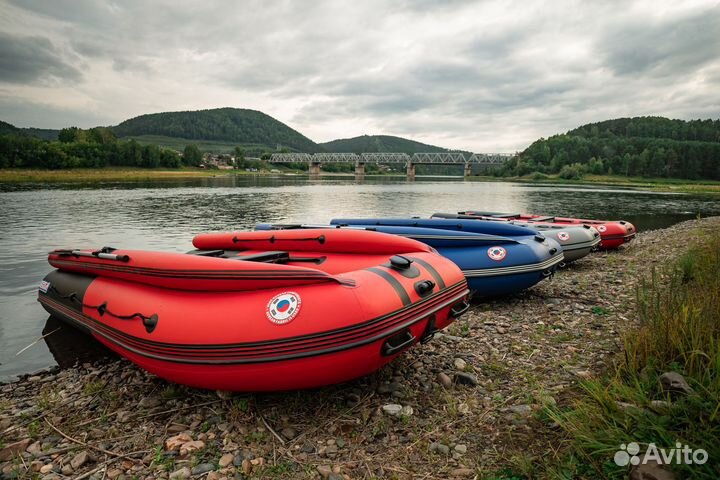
(539, 238)
(424, 287)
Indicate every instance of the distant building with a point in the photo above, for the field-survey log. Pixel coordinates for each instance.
(220, 161)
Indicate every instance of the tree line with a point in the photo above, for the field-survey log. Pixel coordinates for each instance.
(77, 148)
(641, 146)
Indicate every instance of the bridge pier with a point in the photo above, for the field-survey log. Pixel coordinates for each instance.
(359, 169)
(314, 168)
(468, 170)
(411, 171)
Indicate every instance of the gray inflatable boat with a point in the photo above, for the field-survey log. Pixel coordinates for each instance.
(577, 241)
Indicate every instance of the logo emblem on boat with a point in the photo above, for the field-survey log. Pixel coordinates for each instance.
(496, 253)
(563, 236)
(283, 307)
(601, 228)
(44, 286)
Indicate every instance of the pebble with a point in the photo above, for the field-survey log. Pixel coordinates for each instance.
(288, 433)
(114, 473)
(190, 447)
(35, 449)
(202, 468)
(440, 448)
(149, 402)
(461, 449)
(80, 459)
(444, 380)
(464, 378)
(521, 410)
(460, 364)
(392, 409)
(47, 468)
(226, 460)
(177, 441)
(12, 449)
(180, 474)
(324, 470)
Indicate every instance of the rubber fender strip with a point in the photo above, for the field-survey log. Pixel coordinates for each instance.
(404, 297)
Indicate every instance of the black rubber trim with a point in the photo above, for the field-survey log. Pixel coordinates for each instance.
(397, 286)
(438, 279)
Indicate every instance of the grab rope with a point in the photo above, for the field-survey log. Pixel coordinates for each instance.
(150, 322)
(272, 239)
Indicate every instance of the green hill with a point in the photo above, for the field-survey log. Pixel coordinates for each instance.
(638, 146)
(379, 143)
(231, 126)
(8, 129)
(41, 133)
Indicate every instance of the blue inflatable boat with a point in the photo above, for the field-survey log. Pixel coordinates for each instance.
(508, 261)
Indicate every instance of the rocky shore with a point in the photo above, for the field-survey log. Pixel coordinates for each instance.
(469, 403)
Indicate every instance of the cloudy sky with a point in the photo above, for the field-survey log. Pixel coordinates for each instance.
(487, 76)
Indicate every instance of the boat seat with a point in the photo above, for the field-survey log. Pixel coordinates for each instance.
(505, 215)
(266, 257)
(543, 219)
(277, 256)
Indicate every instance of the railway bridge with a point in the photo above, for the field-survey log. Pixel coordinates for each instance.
(316, 160)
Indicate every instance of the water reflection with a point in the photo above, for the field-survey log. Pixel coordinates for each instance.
(164, 215)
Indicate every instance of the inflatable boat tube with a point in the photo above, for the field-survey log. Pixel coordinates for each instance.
(259, 311)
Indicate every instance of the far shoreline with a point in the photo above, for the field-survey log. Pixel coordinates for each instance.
(22, 176)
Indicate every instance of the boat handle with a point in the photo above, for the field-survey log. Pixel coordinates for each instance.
(459, 308)
(391, 345)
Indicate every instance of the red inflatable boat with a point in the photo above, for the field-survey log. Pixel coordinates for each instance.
(612, 233)
(260, 311)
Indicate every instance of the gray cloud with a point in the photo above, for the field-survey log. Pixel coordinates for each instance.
(664, 48)
(478, 75)
(28, 59)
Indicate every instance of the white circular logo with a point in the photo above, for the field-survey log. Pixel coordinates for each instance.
(497, 253)
(563, 236)
(283, 307)
(601, 228)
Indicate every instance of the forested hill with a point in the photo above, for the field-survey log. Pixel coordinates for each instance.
(8, 129)
(42, 133)
(232, 125)
(639, 146)
(379, 143)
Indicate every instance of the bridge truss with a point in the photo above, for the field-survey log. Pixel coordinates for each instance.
(438, 158)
